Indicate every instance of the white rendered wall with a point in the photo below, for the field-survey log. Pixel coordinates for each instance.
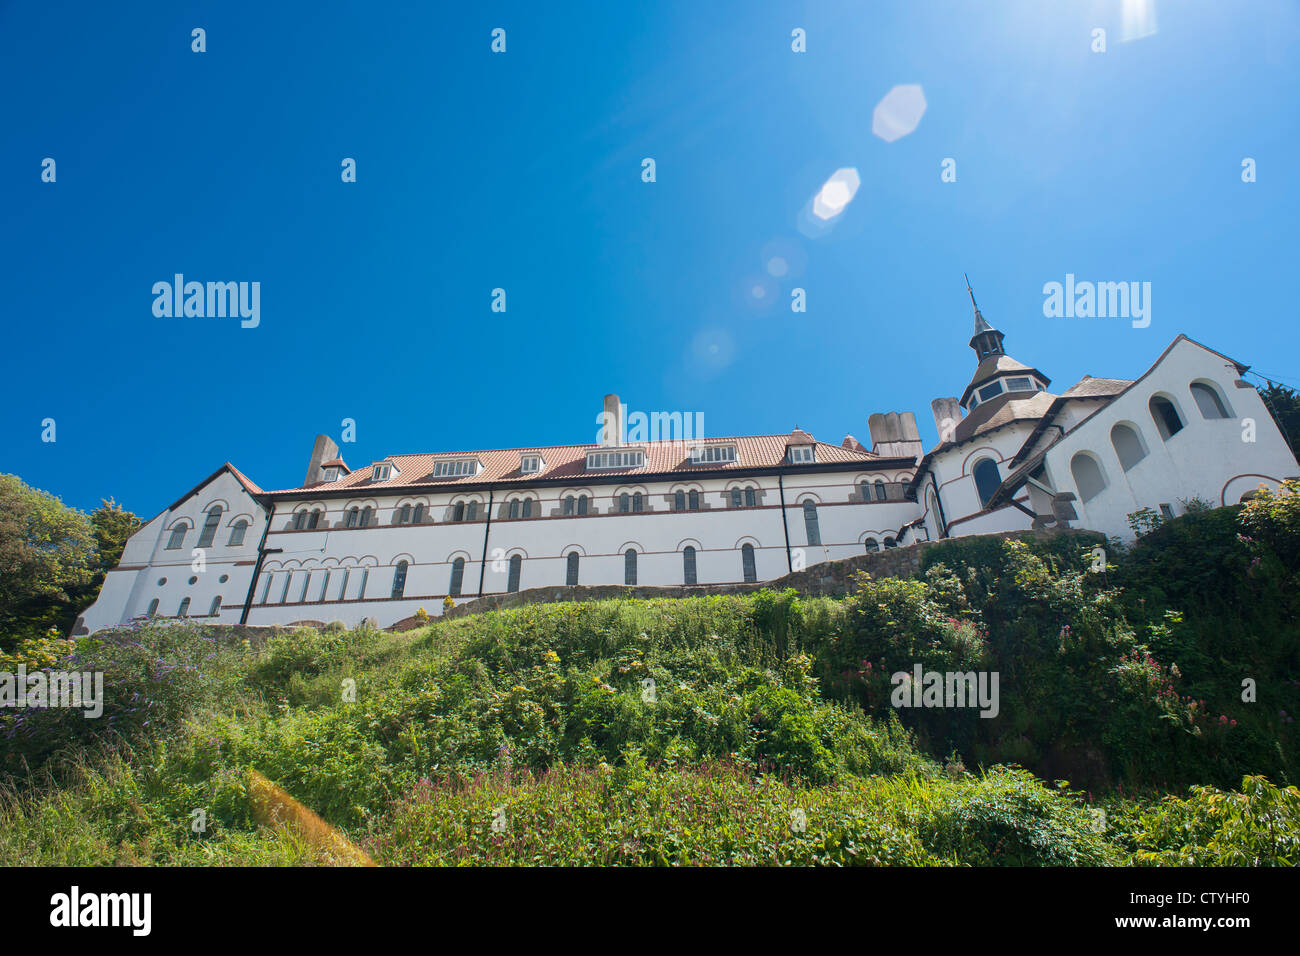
(1206, 459)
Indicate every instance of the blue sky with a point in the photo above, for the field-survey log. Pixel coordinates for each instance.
(522, 171)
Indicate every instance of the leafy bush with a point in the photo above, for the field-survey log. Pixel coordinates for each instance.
(1258, 826)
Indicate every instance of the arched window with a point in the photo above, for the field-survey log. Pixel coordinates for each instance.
(880, 490)
(512, 578)
(354, 516)
(735, 497)
(582, 504)
(178, 536)
(237, 533)
(679, 501)
(624, 503)
(1088, 476)
(153, 608)
(404, 516)
(215, 609)
(184, 609)
(1208, 401)
(810, 524)
(694, 500)
(457, 577)
(399, 579)
(638, 503)
(471, 511)
(987, 479)
(313, 520)
(629, 566)
(528, 508)
(1128, 445)
(568, 505)
(299, 520)
(747, 563)
(571, 569)
(751, 498)
(418, 517)
(210, 527)
(872, 545)
(366, 512)
(890, 543)
(514, 507)
(1163, 413)
(458, 512)
(865, 490)
(688, 565)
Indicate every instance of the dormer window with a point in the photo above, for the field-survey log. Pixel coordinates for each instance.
(331, 474)
(530, 464)
(801, 454)
(713, 454)
(614, 459)
(381, 472)
(455, 468)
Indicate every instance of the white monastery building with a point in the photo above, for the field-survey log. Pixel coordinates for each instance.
(404, 533)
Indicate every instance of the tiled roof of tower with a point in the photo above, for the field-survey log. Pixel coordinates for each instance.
(998, 365)
(570, 461)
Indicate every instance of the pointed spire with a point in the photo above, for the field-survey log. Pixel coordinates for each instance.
(987, 340)
(980, 324)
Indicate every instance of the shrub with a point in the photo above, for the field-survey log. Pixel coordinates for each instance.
(1259, 826)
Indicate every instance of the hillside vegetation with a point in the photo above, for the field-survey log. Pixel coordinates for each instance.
(715, 730)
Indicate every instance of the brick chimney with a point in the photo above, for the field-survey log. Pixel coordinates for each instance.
(324, 450)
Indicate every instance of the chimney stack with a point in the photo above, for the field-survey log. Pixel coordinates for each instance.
(324, 450)
(611, 434)
(947, 416)
(894, 435)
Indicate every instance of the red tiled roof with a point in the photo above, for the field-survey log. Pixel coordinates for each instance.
(249, 485)
(337, 463)
(570, 461)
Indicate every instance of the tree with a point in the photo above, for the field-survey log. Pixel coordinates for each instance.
(112, 527)
(47, 552)
(1284, 403)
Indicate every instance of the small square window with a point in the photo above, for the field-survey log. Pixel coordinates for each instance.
(802, 454)
(530, 464)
